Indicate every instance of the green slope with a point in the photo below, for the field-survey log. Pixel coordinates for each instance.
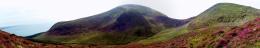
(90, 38)
(224, 14)
(220, 15)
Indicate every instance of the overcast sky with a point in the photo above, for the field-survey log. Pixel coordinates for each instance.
(15, 12)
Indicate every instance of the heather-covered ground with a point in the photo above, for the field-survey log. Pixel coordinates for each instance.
(12, 41)
(244, 36)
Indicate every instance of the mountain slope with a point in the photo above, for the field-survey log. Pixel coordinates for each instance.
(123, 24)
(227, 14)
(243, 36)
(219, 15)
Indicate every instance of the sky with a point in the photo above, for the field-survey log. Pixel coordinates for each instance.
(16, 12)
(28, 12)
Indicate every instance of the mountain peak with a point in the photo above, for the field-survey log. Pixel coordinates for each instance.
(226, 4)
(231, 5)
(136, 8)
(133, 6)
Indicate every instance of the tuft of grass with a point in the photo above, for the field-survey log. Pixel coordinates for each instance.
(256, 45)
(1, 46)
(19, 46)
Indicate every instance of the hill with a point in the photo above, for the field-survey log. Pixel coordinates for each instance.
(225, 14)
(121, 25)
(222, 15)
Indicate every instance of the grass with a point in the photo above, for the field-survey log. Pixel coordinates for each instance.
(106, 39)
(206, 36)
(91, 38)
(224, 14)
(256, 45)
(19, 46)
(1, 46)
(164, 35)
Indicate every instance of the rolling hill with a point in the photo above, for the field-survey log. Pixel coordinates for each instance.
(225, 14)
(221, 15)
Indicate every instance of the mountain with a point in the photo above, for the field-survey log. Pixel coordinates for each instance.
(121, 25)
(221, 15)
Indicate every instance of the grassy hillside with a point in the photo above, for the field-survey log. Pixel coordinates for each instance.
(224, 14)
(220, 15)
(100, 38)
(165, 35)
(243, 36)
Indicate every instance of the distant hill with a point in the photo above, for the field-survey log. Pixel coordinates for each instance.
(27, 29)
(121, 25)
